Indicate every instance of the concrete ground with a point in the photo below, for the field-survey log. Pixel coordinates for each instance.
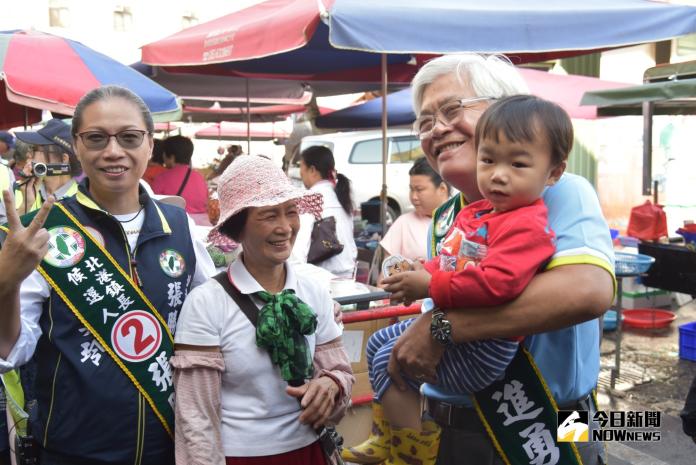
(654, 379)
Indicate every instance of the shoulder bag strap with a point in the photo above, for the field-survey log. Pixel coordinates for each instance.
(183, 183)
(242, 300)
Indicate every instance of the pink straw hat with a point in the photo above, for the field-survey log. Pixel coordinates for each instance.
(255, 181)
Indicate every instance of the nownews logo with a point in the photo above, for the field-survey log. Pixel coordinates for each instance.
(630, 426)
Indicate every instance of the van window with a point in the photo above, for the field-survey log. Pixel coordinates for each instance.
(402, 150)
(323, 143)
(405, 149)
(367, 151)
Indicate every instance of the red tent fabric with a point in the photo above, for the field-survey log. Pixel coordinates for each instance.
(566, 90)
(238, 131)
(292, 22)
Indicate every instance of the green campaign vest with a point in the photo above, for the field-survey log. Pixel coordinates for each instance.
(106, 300)
(443, 219)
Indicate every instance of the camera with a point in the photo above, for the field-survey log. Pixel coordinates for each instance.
(41, 170)
(26, 450)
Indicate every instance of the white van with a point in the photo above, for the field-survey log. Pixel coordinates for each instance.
(358, 156)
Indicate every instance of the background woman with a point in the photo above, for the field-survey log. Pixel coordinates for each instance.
(318, 171)
(234, 404)
(155, 166)
(110, 245)
(408, 235)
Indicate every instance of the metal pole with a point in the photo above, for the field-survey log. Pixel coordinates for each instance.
(616, 370)
(26, 118)
(385, 147)
(647, 146)
(248, 111)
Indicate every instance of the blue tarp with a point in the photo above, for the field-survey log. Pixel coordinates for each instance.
(369, 114)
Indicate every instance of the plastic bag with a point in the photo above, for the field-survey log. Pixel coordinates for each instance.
(648, 222)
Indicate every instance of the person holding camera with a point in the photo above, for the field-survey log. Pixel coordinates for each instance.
(50, 168)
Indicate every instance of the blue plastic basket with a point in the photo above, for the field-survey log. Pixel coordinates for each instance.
(689, 237)
(687, 341)
(632, 263)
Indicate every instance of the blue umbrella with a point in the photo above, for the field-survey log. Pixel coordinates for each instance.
(443, 26)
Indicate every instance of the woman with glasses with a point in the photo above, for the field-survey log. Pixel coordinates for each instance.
(100, 287)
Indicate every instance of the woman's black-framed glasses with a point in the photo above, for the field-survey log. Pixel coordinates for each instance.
(446, 114)
(98, 140)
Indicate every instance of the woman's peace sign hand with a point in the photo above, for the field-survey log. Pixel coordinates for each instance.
(24, 247)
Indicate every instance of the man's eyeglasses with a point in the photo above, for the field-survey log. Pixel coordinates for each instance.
(446, 114)
(98, 140)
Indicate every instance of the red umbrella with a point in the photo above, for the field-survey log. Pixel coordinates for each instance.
(236, 131)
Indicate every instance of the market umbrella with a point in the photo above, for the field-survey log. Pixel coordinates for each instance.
(668, 98)
(258, 114)
(319, 36)
(236, 131)
(308, 37)
(189, 84)
(566, 90)
(671, 97)
(40, 71)
(503, 26)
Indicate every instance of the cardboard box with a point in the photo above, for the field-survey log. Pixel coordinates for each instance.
(355, 336)
(355, 425)
(362, 385)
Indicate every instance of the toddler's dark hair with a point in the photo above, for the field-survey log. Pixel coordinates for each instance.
(520, 117)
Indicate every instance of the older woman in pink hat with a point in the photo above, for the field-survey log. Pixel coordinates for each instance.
(259, 362)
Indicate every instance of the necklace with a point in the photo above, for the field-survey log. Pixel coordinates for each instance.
(134, 217)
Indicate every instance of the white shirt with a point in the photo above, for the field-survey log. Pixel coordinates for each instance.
(35, 290)
(254, 403)
(408, 236)
(342, 264)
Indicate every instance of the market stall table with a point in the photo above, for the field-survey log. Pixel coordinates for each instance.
(627, 266)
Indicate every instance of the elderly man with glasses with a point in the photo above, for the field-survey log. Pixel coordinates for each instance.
(514, 420)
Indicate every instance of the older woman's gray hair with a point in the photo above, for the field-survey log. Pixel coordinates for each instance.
(487, 75)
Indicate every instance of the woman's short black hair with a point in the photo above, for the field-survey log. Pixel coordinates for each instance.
(422, 167)
(522, 117)
(234, 225)
(180, 147)
(157, 152)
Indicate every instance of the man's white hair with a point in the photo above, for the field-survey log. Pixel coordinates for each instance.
(487, 75)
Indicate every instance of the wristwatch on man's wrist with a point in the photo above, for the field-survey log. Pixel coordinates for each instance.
(441, 328)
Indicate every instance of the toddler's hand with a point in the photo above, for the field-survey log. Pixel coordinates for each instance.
(408, 286)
